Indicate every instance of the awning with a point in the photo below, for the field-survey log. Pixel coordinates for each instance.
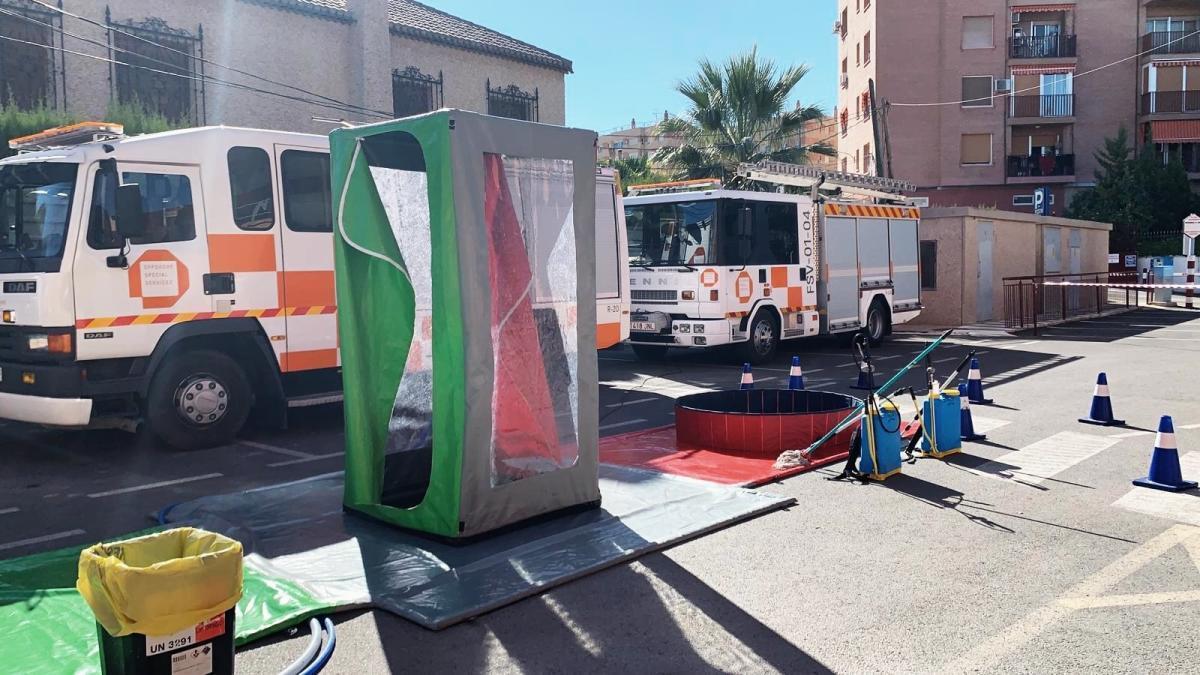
(1041, 70)
(1175, 131)
(1042, 8)
(1175, 63)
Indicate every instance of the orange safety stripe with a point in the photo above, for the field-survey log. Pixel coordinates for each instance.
(872, 211)
(144, 319)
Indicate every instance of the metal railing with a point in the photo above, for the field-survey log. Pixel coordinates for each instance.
(1041, 46)
(1170, 102)
(1023, 166)
(414, 92)
(1030, 302)
(1171, 42)
(1042, 105)
(512, 102)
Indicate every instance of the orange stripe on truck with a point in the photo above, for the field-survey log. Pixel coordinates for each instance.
(308, 360)
(241, 253)
(608, 334)
(145, 319)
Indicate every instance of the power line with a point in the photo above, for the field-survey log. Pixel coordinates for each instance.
(224, 83)
(1074, 77)
(116, 29)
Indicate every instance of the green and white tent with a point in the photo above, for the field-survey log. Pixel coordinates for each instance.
(464, 246)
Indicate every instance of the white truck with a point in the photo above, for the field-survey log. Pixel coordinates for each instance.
(710, 266)
(185, 279)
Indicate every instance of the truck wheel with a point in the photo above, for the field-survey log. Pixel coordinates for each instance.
(650, 352)
(198, 399)
(764, 339)
(877, 322)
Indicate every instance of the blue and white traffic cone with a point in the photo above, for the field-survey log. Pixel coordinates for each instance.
(968, 424)
(796, 378)
(866, 377)
(1164, 464)
(975, 384)
(1102, 412)
(747, 377)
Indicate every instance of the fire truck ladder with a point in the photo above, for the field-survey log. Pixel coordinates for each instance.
(815, 179)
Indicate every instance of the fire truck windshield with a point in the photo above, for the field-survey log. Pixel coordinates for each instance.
(672, 234)
(35, 207)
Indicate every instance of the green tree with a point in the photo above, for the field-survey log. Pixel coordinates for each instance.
(1137, 194)
(16, 122)
(738, 113)
(635, 170)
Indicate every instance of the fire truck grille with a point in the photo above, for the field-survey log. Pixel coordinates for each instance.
(8, 342)
(654, 295)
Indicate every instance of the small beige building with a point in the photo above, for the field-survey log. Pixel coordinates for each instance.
(271, 63)
(966, 253)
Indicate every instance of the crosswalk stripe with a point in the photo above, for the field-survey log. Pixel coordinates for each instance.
(1047, 457)
(1179, 506)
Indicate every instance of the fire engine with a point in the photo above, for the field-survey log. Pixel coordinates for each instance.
(711, 266)
(185, 279)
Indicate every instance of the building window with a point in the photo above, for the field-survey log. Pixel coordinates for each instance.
(166, 206)
(307, 205)
(858, 54)
(866, 4)
(976, 149)
(977, 91)
(866, 104)
(845, 22)
(867, 166)
(511, 102)
(845, 165)
(977, 32)
(250, 188)
(845, 122)
(929, 265)
(160, 69)
(414, 92)
(867, 47)
(29, 72)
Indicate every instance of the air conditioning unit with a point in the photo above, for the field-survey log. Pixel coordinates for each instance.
(837, 27)
(1016, 18)
(1004, 86)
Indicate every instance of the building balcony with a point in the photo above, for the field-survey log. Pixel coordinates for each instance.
(1040, 166)
(1042, 106)
(1165, 102)
(1041, 47)
(1170, 42)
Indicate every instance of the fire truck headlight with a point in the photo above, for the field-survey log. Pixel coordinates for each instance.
(699, 328)
(38, 343)
(685, 328)
(688, 295)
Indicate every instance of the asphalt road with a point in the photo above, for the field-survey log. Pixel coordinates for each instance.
(1029, 552)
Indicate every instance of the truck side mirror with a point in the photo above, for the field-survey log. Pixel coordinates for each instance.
(131, 218)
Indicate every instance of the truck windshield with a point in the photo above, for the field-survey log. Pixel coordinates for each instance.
(35, 205)
(675, 234)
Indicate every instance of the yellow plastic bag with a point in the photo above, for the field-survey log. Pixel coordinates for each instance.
(161, 583)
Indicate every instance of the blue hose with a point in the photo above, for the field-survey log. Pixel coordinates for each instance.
(326, 651)
(162, 513)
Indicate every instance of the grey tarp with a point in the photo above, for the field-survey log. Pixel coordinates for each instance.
(299, 532)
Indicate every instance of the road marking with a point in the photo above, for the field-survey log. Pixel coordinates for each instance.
(985, 424)
(669, 387)
(276, 449)
(626, 423)
(38, 540)
(1183, 507)
(4, 512)
(952, 358)
(151, 486)
(1047, 457)
(313, 458)
(1018, 635)
(1134, 434)
(636, 400)
(1130, 600)
(1188, 426)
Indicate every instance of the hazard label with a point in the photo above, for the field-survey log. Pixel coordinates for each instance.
(195, 661)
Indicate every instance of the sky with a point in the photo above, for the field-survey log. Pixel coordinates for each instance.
(630, 54)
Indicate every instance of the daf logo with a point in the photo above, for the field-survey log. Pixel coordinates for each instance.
(20, 287)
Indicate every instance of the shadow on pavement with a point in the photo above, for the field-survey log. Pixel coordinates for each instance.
(1116, 327)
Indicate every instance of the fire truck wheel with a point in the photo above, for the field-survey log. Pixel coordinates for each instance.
(877, 322)
(650, 352)
(198, 399)
(764, 339)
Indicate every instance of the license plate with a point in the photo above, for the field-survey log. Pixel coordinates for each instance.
(643, 326)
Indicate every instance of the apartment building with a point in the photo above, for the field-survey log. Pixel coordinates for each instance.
(395, 57)
(979, 102)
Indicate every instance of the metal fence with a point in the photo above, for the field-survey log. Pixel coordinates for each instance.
(1033, 301)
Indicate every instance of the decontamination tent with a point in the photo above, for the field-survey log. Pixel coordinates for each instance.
(464, 245)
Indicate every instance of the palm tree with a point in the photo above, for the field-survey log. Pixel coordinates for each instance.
(635, 170)
(738, 113)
